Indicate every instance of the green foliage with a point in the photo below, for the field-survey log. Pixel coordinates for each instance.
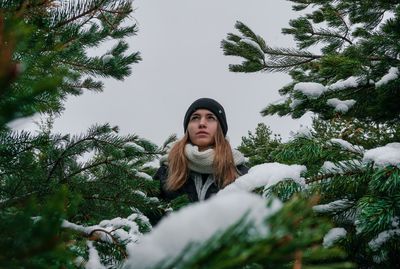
(258, 146)
(49, 180)
(358, 41)
(32, 237)
(101, 171)
(293, 237)
(45, 47)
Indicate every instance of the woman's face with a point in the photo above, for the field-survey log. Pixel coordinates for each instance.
(202, 128)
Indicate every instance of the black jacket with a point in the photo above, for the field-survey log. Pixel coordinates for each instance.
(189, 187)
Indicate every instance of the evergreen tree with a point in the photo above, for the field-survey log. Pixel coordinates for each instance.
(352, 154)
(61, 196)
(258, 146)
(44, 51)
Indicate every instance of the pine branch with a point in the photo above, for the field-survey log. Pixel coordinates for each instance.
(84, 67)
(284, 67)
(291, 53)
(83, 14)
(328, 34)
(330, 175)
(64, 153)
(93, 236)
(106, 161)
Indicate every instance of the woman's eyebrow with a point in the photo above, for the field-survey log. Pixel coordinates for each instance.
(207, 114)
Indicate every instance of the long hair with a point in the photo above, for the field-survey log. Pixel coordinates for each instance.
(224, 168)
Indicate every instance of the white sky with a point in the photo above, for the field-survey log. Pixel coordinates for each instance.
(179, 41)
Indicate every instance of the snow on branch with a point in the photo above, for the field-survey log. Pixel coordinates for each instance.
(197, 223)
(310, 89)
(333, 235)
(384, 156)
(253, 44)
(144, 176)
(110, 231)
(347, 146)
(335, 206)
(392, 74)
(266, 175)
(94, 258)
(303, 131)
(339, 105)
(382, 238)
(350, 82)
(341, 167)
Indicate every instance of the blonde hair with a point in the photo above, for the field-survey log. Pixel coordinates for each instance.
(224, 167)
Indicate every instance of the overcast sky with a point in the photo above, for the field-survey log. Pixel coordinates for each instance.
(179, 41)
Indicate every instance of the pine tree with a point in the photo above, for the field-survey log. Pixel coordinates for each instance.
(61, 196)
(352, 88)
(44, 49)
(258, 146)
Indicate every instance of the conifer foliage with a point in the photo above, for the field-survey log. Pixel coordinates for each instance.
(352, 152)
(44, 51)
(67, 201)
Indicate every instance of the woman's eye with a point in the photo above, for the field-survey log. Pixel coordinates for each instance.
(194, 118)
(212, 118)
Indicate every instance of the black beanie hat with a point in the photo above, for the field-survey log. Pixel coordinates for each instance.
(209, 104)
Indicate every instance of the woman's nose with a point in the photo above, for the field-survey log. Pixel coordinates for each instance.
(203, 121)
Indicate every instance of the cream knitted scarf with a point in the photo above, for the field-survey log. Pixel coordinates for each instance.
(202, 161)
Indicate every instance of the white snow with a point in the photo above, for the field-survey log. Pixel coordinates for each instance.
(330, 167)
(392, 74)
(340, 167)
(266, 175)
(106, 58)
(114, 226)
(140, 193)
(350, 82)
(143, 175)
(253, 44)
(303, 131)
(197, 223)
(94, 258)
(339, 105)
(334, 206)
(154, 200)
(388, 14)
(310, 89)
(153, 164)
(295, 103)
(347, 145)
(382, 238)
(384, 156)
(79, 261)
(136, 146)
(279, 101)
(395, 222)
(333, 235)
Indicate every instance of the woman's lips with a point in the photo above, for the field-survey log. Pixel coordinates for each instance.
(201, 133)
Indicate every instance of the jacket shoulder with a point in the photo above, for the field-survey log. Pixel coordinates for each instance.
(242, 169)
(161, 174)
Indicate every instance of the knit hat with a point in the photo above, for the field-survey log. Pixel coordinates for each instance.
(211, 105)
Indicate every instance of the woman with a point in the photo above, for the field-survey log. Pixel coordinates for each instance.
(202, 162)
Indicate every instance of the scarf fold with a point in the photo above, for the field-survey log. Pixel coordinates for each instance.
(202, 161)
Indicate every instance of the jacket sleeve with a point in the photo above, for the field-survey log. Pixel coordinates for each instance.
(162, 175)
